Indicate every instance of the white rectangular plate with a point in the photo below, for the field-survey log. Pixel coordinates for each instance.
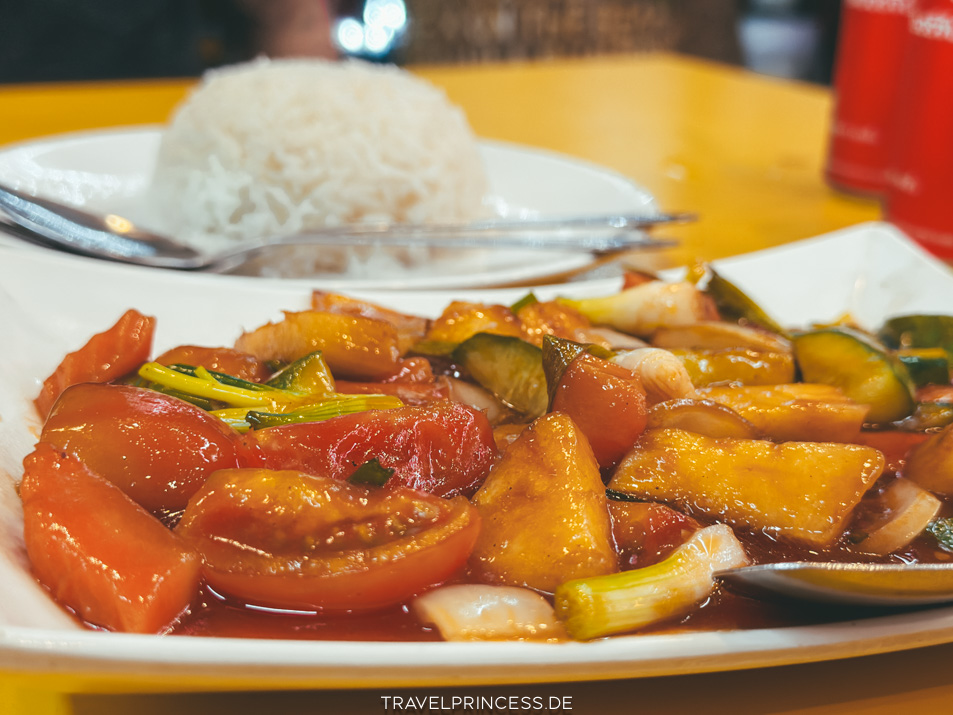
(51, 303)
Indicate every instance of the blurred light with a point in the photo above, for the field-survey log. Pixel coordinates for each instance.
(118, 223)
(350, 35)
(383, 27)
(386, 13)
(377, 39)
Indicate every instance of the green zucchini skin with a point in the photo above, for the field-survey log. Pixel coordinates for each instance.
(927, 366)
(864, 369)
(919, 331)
(734, 305)
(510, 368)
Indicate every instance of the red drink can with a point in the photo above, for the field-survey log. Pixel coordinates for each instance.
(869, 56)
(919, 196)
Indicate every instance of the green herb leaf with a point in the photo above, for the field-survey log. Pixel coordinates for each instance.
(371, 474)
(942, 530)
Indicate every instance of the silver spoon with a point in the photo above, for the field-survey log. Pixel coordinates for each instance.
(849, 584)
(116, 238)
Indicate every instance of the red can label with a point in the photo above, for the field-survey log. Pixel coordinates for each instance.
(902, 7)
(870, 52)
(920, 175)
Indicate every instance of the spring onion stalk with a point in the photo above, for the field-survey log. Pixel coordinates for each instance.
(603, 605)
(202, 383)
(221, 377)
(290, 413)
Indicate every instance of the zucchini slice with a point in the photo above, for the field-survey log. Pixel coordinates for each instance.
(734, 304)
(919, 331)
(309, 374)
(864, 369)
(927, 366)
(510, 368)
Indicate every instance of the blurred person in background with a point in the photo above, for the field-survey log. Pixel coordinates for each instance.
(56, 40)
(62, 40)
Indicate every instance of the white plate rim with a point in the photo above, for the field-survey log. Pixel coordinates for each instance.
(216, 662)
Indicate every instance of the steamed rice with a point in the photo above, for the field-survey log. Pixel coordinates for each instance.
(282, 146)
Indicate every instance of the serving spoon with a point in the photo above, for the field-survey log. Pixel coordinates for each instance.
(847, 584)
(116, 238)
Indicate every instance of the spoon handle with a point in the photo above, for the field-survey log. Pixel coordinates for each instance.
(71, 229)
(114, 237)
(597, 233)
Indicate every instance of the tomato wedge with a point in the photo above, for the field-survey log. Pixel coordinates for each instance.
(107, 356)
(606, 402)
(444, 448)
(101, 554)
(156, 448)
(291, 540)
(228, 360)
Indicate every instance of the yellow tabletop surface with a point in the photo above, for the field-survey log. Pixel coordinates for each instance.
(746, 153)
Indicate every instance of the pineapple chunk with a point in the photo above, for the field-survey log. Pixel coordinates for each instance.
(544, 318)
(544, 513)
(461, 320)
(797, 412)
(353, 346)
(744, 365)
(799, 490)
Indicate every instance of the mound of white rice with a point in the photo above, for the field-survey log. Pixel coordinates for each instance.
(281, 146)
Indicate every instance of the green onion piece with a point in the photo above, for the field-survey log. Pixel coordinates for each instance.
(323, 410)
(527, 300)
(371, 474)
(942, 531)
(204, 384)
(221, 377)
(603, 605)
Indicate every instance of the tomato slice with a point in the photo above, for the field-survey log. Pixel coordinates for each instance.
(444, 448)
(107, 356)
(645, 533)
(291, 540)
(101, 554)
(227, 360)
(156, 448)
(606, 402)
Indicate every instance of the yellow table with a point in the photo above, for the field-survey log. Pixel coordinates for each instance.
(746, 153)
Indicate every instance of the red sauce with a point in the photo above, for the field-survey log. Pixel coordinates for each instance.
(213, 616)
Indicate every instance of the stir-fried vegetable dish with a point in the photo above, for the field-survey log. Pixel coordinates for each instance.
(548, 470)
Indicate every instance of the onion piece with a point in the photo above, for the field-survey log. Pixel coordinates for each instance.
(719, 335)
(910, 510)
(701, 417)
(609, 338)
(466, 393)
(663, 375)
(475, 612)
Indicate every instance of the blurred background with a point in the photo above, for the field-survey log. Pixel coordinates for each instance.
(65, 40)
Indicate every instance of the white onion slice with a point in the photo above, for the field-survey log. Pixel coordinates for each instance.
(474, 612)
